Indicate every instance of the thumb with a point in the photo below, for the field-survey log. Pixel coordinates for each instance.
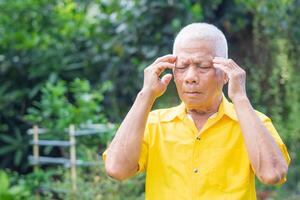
(166, 79)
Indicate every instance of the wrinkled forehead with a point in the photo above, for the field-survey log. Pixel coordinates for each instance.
(194, 57)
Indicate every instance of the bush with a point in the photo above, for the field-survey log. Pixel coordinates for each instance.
(115, 40)
(12, 191)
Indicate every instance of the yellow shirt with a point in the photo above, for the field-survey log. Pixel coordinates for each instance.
(182, 163)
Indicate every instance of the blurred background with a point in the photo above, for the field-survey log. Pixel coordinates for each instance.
(81, 62)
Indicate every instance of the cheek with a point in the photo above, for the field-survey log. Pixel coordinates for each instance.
(177, 77)
(214, 79)
(178, 81)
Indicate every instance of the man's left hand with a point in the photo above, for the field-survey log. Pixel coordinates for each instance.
(236, 76)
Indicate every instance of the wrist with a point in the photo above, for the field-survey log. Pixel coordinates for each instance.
(147, 94)
(240, 98)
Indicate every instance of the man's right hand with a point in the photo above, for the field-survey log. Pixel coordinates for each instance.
(124, 151)
(153, 84)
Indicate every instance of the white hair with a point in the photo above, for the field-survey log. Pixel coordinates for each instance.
(203, 31)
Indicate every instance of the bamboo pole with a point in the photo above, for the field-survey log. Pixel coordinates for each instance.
(36, 147)
(73, 157)
(36, 155)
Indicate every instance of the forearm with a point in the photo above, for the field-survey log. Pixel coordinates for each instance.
(265, 155)
(124, 150)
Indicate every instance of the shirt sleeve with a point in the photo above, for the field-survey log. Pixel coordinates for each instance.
(269, 125)
(142, 162)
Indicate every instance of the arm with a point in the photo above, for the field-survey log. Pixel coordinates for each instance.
(124, 150)
(265, 156)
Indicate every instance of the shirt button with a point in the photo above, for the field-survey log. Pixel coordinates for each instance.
(198, 138)
(195, 170)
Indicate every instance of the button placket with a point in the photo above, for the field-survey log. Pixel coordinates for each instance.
(196, 155)
(195, 171)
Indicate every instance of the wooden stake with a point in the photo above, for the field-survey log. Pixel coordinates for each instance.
(36, 147)
(36, 155)
(73, 157)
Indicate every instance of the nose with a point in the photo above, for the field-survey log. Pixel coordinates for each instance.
(191, 76)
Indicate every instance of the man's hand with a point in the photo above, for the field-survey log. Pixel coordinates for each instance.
(124, 151)
(236, 76)
(153, 84)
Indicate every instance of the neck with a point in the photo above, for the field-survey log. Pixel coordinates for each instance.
(208, 110)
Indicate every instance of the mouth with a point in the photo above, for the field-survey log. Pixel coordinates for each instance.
(192, 93)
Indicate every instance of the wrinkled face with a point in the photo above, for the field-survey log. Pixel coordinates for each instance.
(198, 83)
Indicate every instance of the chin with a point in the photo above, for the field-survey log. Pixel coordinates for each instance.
(193, 102)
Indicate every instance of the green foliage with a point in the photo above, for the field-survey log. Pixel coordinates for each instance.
(47, 41)
(12, 192)
(16, 145)
(62, 105)
(55, 183)
(111, 42)
(75, 103)
(94, 183)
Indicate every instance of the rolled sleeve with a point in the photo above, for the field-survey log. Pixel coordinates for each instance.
(269, 125)
(142, 162)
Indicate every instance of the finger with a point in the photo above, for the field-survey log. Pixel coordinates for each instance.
(167, 58)
(166, 79)
(228, 62)
(222, 67)
(162, 66)
(221, 60)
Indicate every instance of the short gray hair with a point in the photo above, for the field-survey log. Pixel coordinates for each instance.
(204, 31)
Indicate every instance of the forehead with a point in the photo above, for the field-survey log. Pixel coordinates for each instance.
(195, 49)
(194, 58)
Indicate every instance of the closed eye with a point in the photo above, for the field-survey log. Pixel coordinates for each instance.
(203, 66)
(182, 66)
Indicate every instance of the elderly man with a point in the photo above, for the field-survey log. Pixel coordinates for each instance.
(207, 147)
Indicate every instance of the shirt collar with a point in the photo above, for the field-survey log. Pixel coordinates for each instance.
(179, 111)
(228, 108)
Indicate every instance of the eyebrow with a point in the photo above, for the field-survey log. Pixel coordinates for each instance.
(195, 60)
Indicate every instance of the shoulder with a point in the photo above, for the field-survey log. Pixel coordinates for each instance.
(231, 112)
(162, 115)
(262, 116)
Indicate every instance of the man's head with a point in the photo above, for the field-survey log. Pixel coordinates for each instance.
(198, 83)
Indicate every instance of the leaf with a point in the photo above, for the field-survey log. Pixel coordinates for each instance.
(8, 139)
(17, 158)
(6, 196)
(6, 149)
(4, 182)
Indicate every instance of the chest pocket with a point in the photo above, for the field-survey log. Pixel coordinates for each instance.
(177, 147)
(230, 169)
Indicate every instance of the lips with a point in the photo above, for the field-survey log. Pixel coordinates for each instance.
(192, 93)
